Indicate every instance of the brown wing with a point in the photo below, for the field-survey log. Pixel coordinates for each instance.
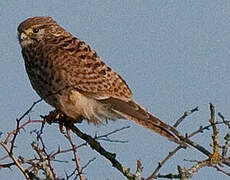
(80, 67)
(86, 71)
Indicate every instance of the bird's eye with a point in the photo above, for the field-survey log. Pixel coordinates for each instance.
(35, 30)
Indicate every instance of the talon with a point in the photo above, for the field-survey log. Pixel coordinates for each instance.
(61, 129)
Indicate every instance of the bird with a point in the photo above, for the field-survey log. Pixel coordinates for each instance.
(70, 76)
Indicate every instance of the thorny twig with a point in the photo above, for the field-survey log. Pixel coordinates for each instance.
(75, 154)
(105, 137)
(10, 150)
(160, 164)
(226, 137)
(200, 148)
(83, 167)
(110, 156)
(186, 113)
(214, 157)
(45, 160)
(43, 155)
(15, 160)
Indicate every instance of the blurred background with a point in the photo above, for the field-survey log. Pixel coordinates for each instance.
(173, 54)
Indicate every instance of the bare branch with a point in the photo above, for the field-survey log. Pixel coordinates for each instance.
(110, 156)
(160, 164)
(17, 163)
(75, 154)
(186, 113)
(105, 137)
(214, 158)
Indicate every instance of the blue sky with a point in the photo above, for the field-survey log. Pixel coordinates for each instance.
(173, 54)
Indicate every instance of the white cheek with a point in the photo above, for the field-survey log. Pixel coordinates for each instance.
(23, 36)
(26, 42)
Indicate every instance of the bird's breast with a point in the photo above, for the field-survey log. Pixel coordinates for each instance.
(45, 80)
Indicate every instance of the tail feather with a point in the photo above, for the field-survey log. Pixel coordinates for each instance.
(132, 111)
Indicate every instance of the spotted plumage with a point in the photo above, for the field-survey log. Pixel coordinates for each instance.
(70, 76)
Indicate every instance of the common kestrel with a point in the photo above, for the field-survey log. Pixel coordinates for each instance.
(71, 77)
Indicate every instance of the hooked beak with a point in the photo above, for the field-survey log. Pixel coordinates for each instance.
(22, 36)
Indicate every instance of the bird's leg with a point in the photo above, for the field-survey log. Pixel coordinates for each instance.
(52, 117)
(67, 122)
(57, 116)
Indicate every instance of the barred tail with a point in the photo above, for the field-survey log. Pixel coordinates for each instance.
(132, 111)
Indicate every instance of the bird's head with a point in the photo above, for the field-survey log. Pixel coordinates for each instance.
(36, 29)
